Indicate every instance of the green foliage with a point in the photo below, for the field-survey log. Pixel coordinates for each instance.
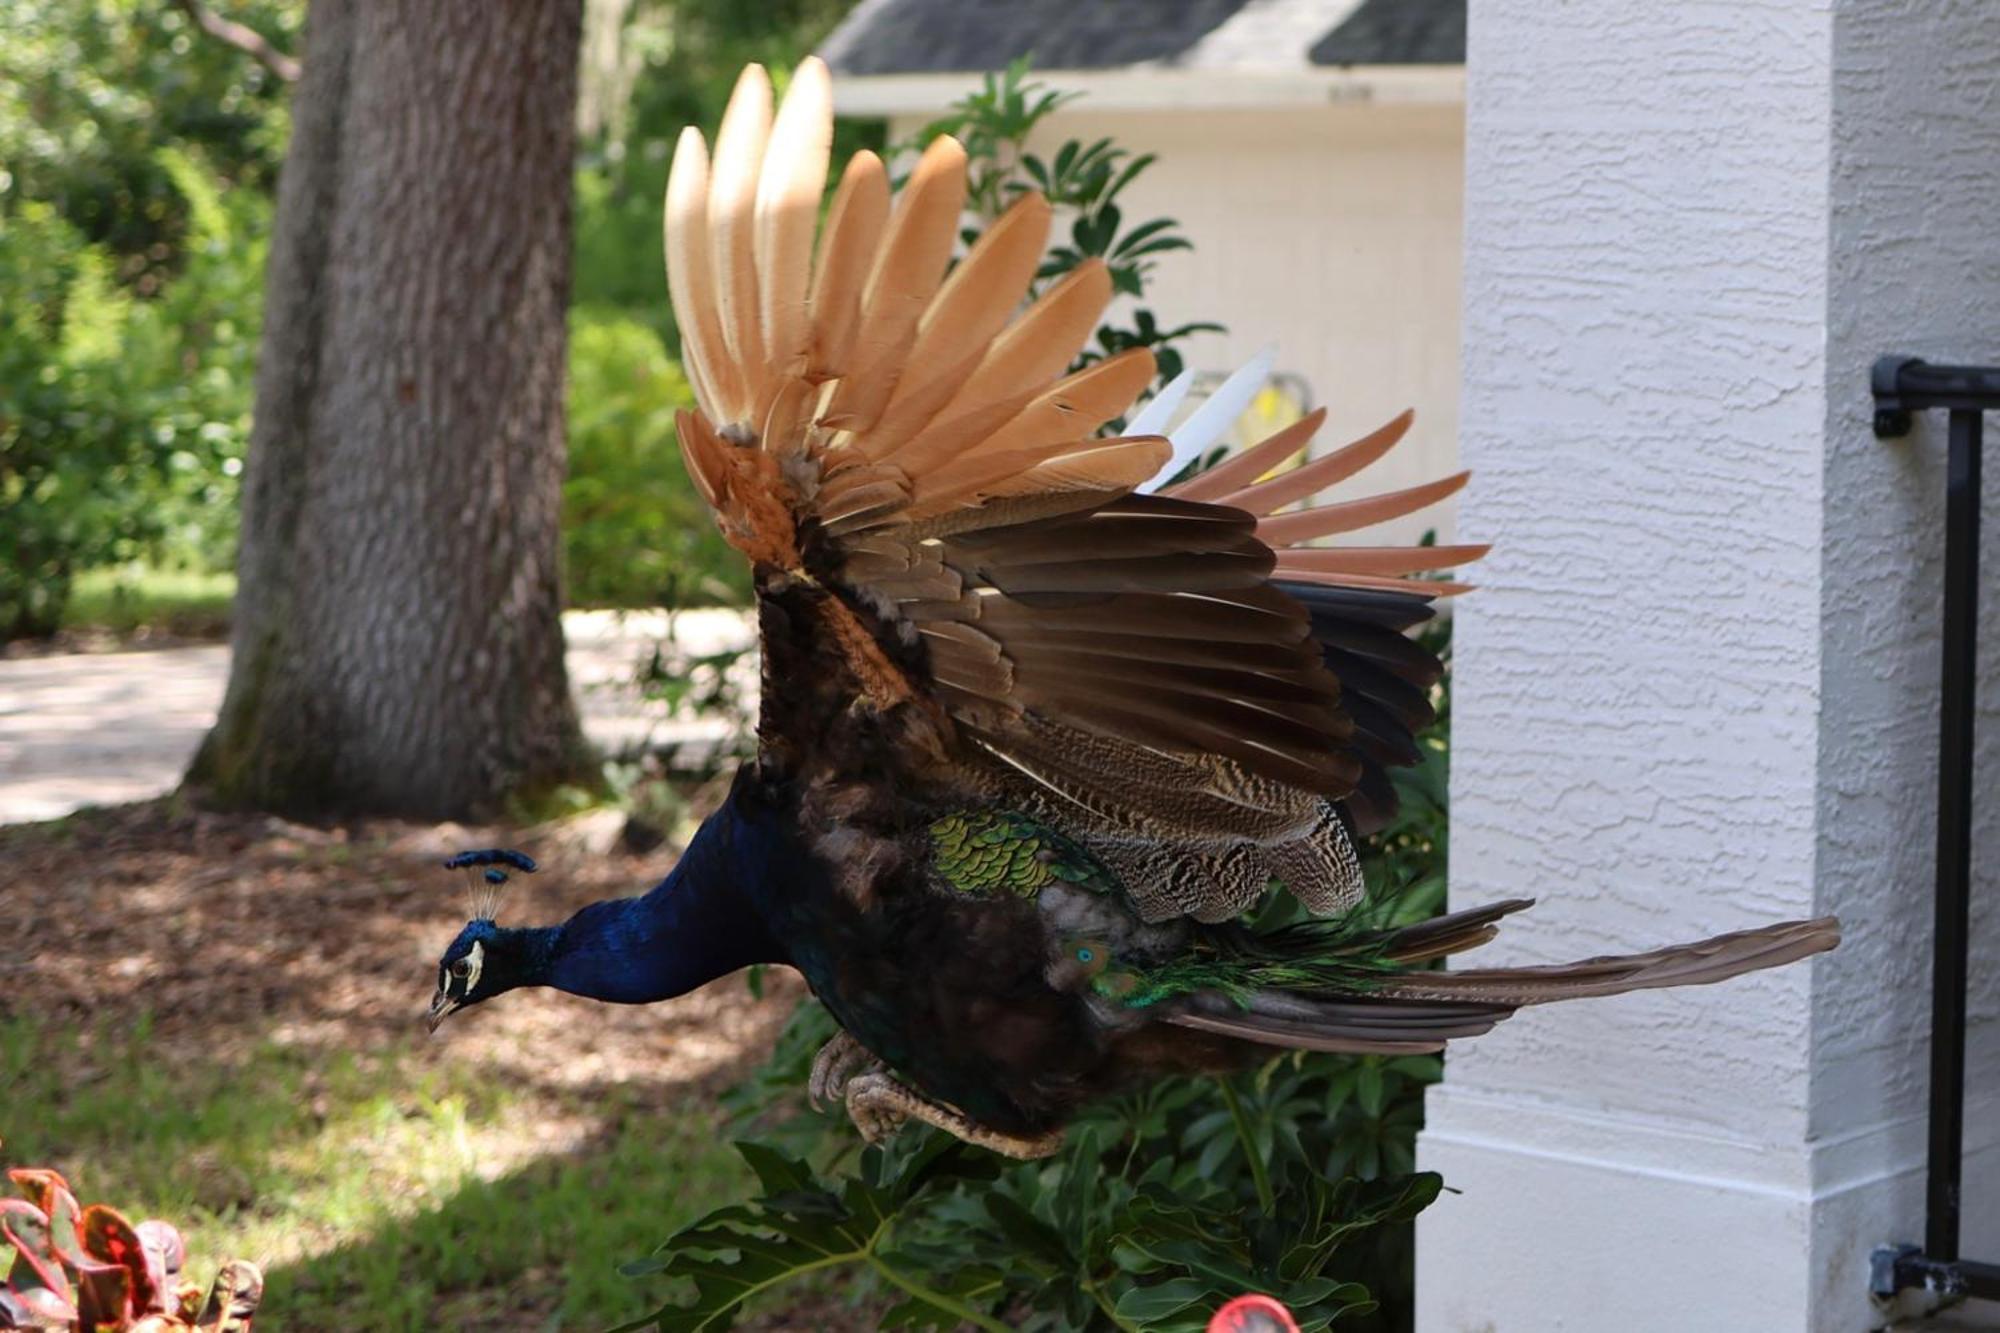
(123, 421)
(798, 1226)
(634, 531)
(1077, 1244)
(1083, 182)
(134, 165)
(137, 600)
(90, 90)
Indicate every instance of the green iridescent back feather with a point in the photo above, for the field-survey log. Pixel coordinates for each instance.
(989, 853)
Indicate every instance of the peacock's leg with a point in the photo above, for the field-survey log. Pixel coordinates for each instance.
(878, 1104)
(837, 1062)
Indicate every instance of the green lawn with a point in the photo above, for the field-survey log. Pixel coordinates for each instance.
(375, 1195)
(126, 599)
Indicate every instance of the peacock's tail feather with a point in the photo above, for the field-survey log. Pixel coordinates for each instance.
(1375, 1001)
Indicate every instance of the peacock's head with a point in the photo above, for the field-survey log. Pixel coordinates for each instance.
(471, 970)
(483, 960)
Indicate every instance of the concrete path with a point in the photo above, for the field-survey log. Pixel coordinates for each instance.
(101, 728)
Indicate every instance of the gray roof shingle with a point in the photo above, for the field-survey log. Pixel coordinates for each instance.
(1396, 32)
(936, 36)
(951, 36)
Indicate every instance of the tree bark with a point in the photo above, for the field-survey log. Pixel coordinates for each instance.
(398, 643)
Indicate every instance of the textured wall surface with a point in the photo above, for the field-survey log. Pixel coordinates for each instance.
(1333, 232)
(1698, 688)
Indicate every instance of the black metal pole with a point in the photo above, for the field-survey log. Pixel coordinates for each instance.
(1954, 837)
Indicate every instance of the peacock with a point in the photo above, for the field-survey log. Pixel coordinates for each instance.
(1037, 727)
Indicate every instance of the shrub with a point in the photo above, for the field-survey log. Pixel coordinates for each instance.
(123, 421)
(136, 158)
(70, 1267)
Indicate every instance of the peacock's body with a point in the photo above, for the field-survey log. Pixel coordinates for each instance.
(1032, 738)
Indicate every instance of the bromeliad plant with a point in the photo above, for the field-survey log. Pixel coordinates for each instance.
(72, 1267)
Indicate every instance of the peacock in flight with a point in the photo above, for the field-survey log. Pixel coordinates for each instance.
(1036, 729)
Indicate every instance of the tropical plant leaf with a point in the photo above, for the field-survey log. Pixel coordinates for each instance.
(798, 1225)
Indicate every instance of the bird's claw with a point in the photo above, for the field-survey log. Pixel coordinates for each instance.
(877, 1116)
(837, 1062)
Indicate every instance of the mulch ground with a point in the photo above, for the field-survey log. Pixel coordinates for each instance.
(225, 928)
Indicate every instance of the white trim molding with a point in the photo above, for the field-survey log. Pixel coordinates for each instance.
(1164, 88)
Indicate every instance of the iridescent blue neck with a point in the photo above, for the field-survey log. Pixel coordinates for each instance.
(697, 924)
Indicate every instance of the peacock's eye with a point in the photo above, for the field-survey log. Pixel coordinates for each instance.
(1085, 955)
(461, 969)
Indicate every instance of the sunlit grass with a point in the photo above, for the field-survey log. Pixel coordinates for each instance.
(126, 598)
(374, 1193)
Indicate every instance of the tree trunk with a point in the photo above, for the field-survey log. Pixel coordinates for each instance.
(398, 644)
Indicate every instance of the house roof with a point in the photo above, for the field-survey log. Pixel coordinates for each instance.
(1395, 32)
(908, 37)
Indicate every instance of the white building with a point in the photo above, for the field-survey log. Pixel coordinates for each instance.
(1313, 150)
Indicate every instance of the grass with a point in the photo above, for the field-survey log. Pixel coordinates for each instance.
(374, 1194)
(127, 599)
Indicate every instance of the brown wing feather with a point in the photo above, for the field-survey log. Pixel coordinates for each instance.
(897, 442)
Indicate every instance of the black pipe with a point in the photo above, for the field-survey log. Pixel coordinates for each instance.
(1954, 836)
(1904, 386)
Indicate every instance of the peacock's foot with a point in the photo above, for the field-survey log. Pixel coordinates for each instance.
(837, 1062)
(879, 1104)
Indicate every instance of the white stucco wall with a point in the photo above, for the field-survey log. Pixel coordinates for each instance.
(1331, 230)
(1698, 689)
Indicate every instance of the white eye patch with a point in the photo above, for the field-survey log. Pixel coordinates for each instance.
(474, 961)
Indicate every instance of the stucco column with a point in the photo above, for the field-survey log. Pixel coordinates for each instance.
(1698, 688)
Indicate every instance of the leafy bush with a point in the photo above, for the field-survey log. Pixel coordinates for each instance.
(1066, 1246)
(135, 161)
(90, 90)
(123, 421)
(70, 1267)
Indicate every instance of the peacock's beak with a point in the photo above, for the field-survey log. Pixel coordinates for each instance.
(441, 1004)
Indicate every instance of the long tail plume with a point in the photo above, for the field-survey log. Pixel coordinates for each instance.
(1417, 1011)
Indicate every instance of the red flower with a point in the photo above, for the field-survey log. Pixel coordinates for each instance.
(1253, 1314)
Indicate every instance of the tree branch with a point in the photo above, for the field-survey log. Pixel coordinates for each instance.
(245, 39)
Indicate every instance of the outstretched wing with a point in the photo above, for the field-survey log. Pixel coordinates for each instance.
(1164, 670)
